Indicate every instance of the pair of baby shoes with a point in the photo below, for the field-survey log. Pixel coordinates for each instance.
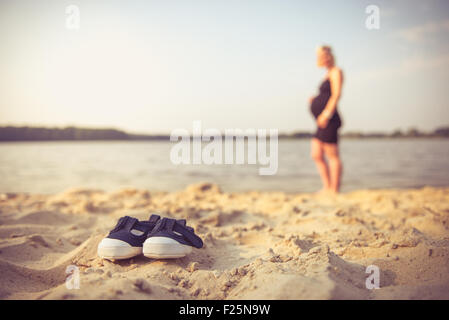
(159, 238)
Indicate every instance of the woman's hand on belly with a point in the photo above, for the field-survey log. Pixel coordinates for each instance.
(322, 121)
(311, 99)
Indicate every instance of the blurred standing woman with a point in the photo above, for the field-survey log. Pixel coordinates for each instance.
(324, 109)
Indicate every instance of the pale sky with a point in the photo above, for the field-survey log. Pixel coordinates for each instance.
(153, 66)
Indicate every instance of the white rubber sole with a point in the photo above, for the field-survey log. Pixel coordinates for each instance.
(113, 249)
(164, 248)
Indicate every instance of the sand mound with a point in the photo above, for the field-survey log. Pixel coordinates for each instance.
(258, 245)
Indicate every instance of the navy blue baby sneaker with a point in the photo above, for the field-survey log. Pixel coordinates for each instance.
(127, 238)
(170, 238)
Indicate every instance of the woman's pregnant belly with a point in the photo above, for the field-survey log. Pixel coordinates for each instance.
(318, 104)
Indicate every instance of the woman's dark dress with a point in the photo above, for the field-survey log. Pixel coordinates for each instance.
(330, 133)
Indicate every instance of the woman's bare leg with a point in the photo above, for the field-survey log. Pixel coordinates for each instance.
(335, 165)
(317, 154)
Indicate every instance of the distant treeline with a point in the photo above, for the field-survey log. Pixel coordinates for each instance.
(70, 133)
(10, 133)
(442, 132)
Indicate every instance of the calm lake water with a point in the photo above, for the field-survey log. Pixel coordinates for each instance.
(49, 167)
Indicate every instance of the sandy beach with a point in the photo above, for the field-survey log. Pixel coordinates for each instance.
(258, 245)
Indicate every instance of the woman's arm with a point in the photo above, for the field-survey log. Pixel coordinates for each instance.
(336, 81)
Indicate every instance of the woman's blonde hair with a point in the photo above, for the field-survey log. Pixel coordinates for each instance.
(327, 50)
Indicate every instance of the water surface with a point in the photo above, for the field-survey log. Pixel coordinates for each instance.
(49, 167)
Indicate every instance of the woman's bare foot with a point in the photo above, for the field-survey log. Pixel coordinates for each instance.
(323, 191)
